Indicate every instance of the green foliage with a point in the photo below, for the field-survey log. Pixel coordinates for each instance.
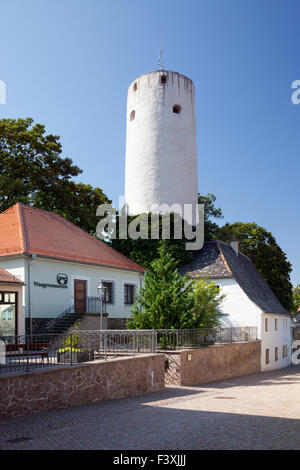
(296, 299)
(75, 341)
(145, 249)
(166, 299)
(207, 301)
(261, 248)
(210, 212)
(33, 172)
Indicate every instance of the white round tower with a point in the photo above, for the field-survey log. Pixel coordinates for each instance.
(161, 153)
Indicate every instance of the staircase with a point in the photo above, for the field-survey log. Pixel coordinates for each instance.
(63, 322)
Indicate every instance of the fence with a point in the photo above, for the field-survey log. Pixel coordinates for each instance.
(173, 339)
(31, 352)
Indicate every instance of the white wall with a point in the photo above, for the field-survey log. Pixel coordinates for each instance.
(273, 338)
(49, 302)
(161, 154)
(17, 267)
(241, 310)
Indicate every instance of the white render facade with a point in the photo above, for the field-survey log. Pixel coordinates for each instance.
(161, 153)
(274, 330)
(249, 301)
(49, 302)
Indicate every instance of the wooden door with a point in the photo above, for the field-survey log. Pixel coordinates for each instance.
(80, 288)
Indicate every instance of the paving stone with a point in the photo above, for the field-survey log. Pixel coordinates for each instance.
(260, 411)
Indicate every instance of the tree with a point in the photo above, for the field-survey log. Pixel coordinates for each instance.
(33, 172)
(166, 300)
(296, 299)
(144, 251)
(207, 301)
(210, 212)
(169, 300)
(261, 248)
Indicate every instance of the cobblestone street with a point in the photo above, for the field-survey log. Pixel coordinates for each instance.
(260, 411)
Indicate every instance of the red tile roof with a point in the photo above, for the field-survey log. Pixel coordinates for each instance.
(7, 278)
(27, 230)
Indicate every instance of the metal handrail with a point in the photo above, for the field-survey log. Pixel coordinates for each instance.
(70, 310)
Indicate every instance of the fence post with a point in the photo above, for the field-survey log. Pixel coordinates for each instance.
(71, 349)
(27, 345)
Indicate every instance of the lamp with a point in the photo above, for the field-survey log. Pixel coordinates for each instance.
(101, 292)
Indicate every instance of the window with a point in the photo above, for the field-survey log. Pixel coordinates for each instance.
(132, 115)
(163, 79)
(8, 317)
(109, 292)
(266, 324)
(176, 109)
(284, 350)
(276, 324)
(135, 87)
(276, 354)
(267, 356)
(129, 293)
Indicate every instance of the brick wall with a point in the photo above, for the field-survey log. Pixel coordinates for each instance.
(75, 385)
(195, 366)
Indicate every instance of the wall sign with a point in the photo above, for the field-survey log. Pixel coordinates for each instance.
(62, 282)
(62, 279)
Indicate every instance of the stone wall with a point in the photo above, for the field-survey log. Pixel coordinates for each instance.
(76, 385)
(116, 323)
(92, 321)
(218, 362)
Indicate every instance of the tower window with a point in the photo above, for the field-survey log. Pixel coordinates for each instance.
(163, 79)
(132, 115)
(135, 87)
(176, 109)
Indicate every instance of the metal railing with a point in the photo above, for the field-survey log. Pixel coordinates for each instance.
(90, 305)
(31, 352)
(198, 337)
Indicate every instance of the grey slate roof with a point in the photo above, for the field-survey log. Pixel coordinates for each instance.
(217, 260)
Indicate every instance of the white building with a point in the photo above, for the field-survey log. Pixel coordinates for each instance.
(61, 266)
(161, 154)
(249, 300)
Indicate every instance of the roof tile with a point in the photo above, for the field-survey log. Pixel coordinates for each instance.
(7, 278)
(25, 229)
(217, 260)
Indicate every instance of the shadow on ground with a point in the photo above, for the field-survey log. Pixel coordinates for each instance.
(167, 420)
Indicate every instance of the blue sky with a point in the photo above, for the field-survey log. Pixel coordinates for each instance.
(68, 65)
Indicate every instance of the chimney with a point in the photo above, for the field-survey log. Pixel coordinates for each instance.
(235, 246)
